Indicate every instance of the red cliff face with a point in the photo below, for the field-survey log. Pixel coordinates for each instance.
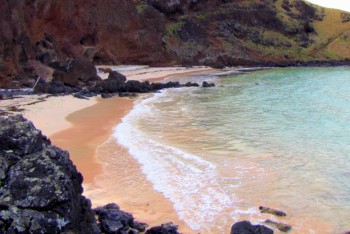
(42, 38)
(104, 31)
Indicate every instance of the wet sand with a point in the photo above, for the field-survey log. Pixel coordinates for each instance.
(121, 180)
(110, 173)
(84, 128)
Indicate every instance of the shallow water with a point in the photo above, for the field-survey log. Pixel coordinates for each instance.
(277, 138)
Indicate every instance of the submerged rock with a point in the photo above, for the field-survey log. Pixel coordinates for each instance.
(268, 210)
(245, 227)
(280, 226)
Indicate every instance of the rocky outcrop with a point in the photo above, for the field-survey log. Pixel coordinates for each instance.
(55, 33)
(41, 190)
(245, 227)
(207, 85)
(113, 220)
(114, 83)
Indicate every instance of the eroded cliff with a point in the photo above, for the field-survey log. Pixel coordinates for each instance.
(42, 38)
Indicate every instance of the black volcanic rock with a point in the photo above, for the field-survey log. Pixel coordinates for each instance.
(114, 83)
(41, 190)
(77, 72)
(207, 85)
(113, 220)
(245, 227)
(168, 228)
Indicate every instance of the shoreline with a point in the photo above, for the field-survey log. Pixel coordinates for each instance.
(147, 205)
(84, 129)
(84, 140)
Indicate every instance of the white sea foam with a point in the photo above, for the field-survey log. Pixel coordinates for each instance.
(188, 181)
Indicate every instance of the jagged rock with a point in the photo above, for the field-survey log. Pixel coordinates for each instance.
(207, 85)
(113, 220)
(41, 190)
(245, 227)
(135, 86)
(139, 226)
(268, 210)
(77, 73)
(168, 228)
(280, 226)
(114, 83)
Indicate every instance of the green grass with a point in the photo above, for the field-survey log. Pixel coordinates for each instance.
(171, 29)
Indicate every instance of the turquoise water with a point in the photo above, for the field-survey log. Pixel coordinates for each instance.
(278, 137)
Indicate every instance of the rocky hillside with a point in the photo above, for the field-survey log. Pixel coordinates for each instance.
(45, 37)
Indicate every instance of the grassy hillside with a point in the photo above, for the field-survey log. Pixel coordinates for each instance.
(257, 32)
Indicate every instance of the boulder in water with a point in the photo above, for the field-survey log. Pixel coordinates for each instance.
(264, 209)
(113, 220)
(207, 85)
(245, 227)
(280, 226)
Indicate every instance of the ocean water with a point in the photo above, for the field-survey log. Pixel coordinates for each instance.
(278, 138)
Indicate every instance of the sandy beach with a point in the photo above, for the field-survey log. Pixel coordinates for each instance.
(84, 128)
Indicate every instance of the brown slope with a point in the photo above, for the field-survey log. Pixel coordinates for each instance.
(41, 37)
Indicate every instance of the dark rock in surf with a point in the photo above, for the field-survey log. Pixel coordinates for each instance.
(207, 85)
(190, 84)
(113, 220)
(280, 226)
(268, 210)
(245, 227)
